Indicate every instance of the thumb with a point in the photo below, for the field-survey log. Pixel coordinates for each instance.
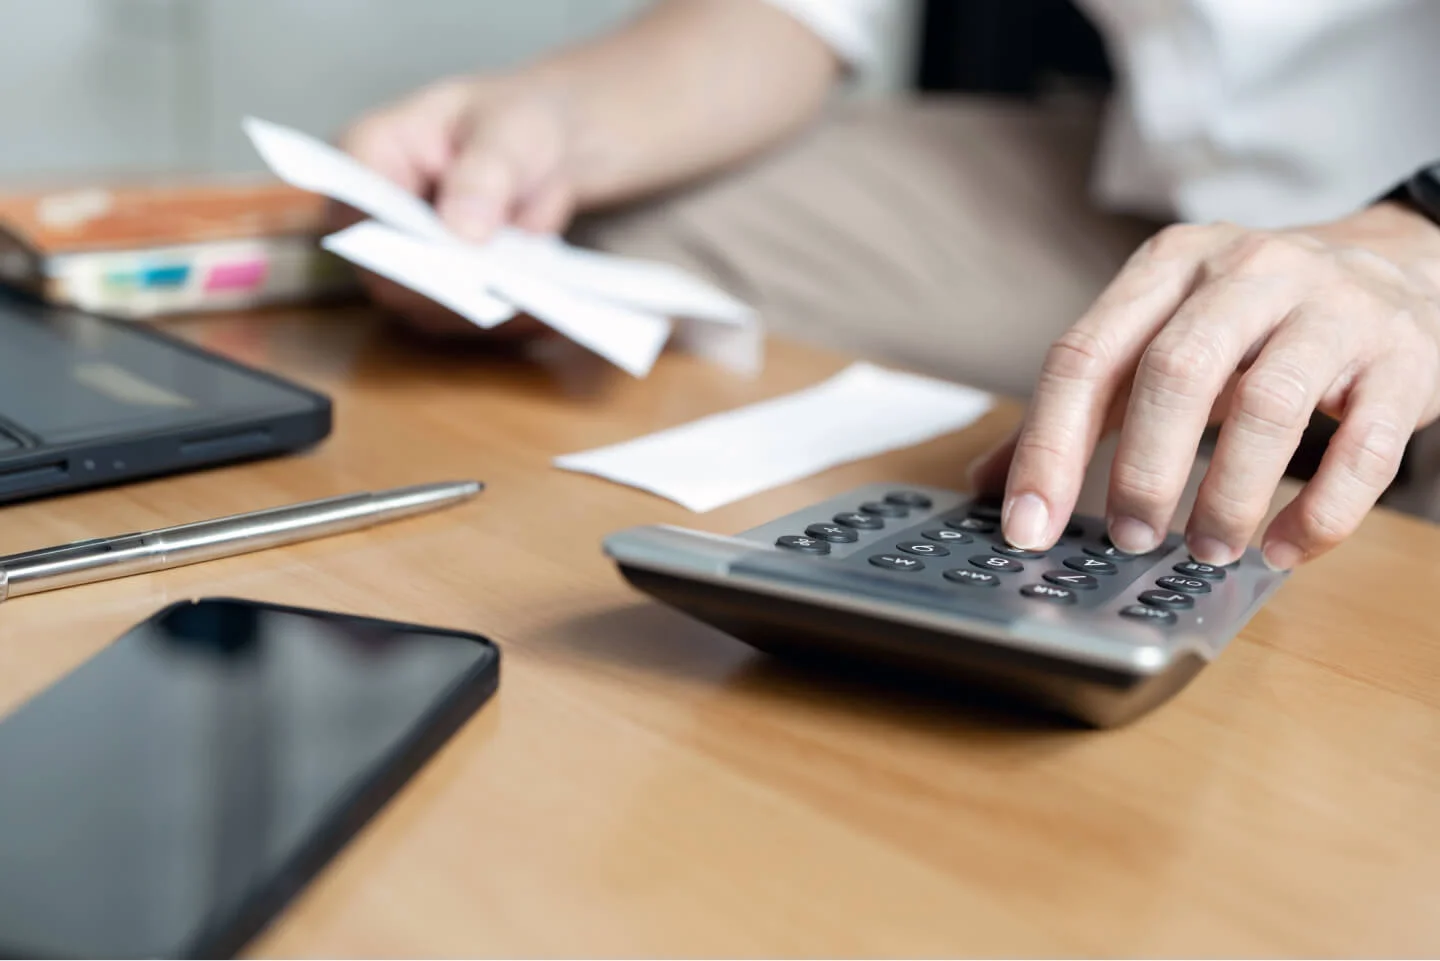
(476, 194)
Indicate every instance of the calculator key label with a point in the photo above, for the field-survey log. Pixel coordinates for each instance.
(962, 575)
(1144, 612)
(923, 548)
(1073, 580)
(947, 536)
(1049, 592)
(1173, 600)
(1196, 569)
(1189, 585)
(806, 545)
(995, 562)
(1090, 565)
(897, 562)
(835, 533)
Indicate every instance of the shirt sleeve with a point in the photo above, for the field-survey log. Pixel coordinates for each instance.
(849, 27)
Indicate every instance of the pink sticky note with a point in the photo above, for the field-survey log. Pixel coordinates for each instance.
(243, 275)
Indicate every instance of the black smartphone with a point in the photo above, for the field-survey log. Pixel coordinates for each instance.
(170, 795)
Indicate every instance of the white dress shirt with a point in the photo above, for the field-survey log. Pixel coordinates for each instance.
(1265, 113)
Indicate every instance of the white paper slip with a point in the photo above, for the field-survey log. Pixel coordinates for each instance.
(309, 164)
(622, 309)
(445, 275)
(862, 411)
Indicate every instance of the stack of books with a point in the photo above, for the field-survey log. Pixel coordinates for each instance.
(146, 251)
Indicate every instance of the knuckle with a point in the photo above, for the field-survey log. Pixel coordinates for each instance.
(1142, 485)
(1231, 512)
(1175, 240)
(1273, 400)
(1261, 252)
(1323, 525)
(1043, 446)
(1180, 365)
(1372, 454)
(1078, 354)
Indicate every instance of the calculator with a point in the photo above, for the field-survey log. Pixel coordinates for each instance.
(915, 581)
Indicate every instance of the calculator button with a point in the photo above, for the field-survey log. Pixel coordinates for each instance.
(947, 536)
(963, 575)
(897, 562)
(908, 499)
(1073, 529)
(923, 548)
(986, 510)
(972, 524)
(1196, 569)
(1144, 612)
(1171, 599)
(882, 509)
(1009, 551)
(1190, 585)
(1090, 565)
(1049, 592)
(835, 533)
(1109, 552)
(865, 522)
(805, 545)
(1073, 579)
(994, 562)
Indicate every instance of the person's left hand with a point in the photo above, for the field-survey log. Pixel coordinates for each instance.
(1254, 330)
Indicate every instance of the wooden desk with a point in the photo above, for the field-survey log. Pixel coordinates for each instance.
(643, 785)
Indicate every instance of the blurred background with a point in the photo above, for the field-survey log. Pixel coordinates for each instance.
(102, 88)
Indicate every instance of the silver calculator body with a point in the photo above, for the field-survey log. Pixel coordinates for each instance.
(917, 580)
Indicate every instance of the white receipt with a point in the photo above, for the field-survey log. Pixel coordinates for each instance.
(862, 411)
(622, 309)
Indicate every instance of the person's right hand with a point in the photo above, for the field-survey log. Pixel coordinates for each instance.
(486, 151)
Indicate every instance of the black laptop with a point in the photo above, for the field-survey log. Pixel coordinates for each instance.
(88, 400)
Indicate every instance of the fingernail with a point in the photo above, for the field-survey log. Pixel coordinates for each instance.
(1133, 536)
(1212, 550)
(1282, 555)
(1025, 521)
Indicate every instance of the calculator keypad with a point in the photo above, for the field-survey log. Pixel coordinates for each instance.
(1084, 568)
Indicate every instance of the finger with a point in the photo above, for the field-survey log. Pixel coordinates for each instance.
(1178, 382)
(1359, 464)
(476, 195)
(1305, 360)
(1083, 373)
(548, 209)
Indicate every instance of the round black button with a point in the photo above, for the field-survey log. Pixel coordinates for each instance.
(908, 499)
(923, 548)
(1144, 612)
(806, 545)
(1190, 585)
(1049, 592)
(986, 510)
(946, 536)
(836, 533)
(972, 524)
(1171, 599)
(1196, 569)
(994, 562)
(897, 562)
(962, 575)
(1090, 565)
(865, 522)
(1009, 551)
(1109, 552)
(882, 509)
(1083, 582)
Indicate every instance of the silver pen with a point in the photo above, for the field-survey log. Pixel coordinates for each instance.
(103, 558)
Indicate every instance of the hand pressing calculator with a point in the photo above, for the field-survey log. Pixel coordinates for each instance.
(919, 579)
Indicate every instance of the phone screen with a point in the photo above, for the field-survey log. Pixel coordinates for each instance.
(170, 794)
